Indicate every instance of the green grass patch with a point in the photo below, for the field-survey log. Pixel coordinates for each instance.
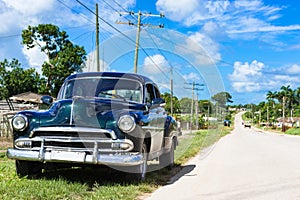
(190, 146)
(293, 131)
(95, 183)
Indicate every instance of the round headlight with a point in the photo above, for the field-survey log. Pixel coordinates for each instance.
(126, 123)
(19, 122)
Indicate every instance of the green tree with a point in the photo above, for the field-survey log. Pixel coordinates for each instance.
(222, 98)
(205, 106)
(185, 105)
(176, 105)
(15, 80)
(64, 58)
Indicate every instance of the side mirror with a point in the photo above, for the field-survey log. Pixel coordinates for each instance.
(159, 102)
(46, 99)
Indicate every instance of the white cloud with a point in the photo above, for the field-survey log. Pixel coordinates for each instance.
(91, 64)
(194, 11)
(246, 86)
(29, 7)
(35, 57)
(235, 18)
(156, 64)
(205, 51)
(174, 9)
(250, 4)
(256, 25)
(191, 77)
(18, 14)
(213, 30)
(294, 69)
(287, 80)
(245, 76)
(253, 77)
(246, 72)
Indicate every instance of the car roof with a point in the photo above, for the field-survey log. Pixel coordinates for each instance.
(138, 77)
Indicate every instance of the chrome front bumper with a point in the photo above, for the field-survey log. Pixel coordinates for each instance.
(94, 153)
(124, 159)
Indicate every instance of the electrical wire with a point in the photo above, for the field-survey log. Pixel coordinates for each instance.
(9, 36)
(76, 11)
(113, 27)
(115, 9)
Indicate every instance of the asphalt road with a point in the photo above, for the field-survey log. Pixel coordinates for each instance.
(245, 164)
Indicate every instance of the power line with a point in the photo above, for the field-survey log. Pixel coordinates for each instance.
(110, 25)
(75, 11)
(120, 5)
(138, 25)
(116, 9)
(106, 22)
(127, 37)
(9, 36)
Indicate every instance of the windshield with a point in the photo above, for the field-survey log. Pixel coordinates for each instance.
(112, 88)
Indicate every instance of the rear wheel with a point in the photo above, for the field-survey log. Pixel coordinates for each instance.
(28, 168)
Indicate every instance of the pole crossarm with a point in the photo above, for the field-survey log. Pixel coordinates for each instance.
(139, 24)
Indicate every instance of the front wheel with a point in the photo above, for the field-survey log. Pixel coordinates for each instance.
(167, 159)
(139, 172)
(28, 168)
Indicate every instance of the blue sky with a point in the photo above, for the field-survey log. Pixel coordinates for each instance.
(243, 47)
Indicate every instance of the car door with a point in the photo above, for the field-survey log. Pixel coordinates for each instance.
(157, 117)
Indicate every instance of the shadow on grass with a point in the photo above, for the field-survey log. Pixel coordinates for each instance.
(105, 176)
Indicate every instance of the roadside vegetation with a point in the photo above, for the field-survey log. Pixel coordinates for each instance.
(293, 131)
(92, 183)
(279, 113)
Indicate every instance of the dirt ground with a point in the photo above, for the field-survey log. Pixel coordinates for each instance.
(5, 143)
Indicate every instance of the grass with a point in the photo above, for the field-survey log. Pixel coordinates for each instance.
(293, 131)
(289, 131)
(91, 183)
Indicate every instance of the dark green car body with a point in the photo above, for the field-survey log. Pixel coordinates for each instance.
(108, 118)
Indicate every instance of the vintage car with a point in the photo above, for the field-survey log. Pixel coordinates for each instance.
(98, 118)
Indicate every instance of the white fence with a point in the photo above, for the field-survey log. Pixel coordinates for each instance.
(6, 114)
(5, 125)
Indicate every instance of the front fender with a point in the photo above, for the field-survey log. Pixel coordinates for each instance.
(170, 127)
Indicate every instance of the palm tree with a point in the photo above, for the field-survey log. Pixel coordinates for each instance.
(289, 96)
(271, 95)
(297, 95)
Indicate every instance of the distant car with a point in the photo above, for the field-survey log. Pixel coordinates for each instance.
(108, 118)
(227, 123)
(247, 124)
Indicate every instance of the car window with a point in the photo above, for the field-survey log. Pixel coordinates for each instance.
(157, 93)
(150, 95)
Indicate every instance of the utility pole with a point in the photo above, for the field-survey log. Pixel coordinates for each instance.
(171, 87)
(283, 114)
(268, 116)
(97, 40)
(139, 24)
(192, 104)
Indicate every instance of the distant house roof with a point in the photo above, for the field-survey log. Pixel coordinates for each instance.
(288, 119)
(27, 97)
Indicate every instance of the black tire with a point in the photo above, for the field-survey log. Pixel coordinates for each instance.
(139, 172)
(28, 168)
(167, 159)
